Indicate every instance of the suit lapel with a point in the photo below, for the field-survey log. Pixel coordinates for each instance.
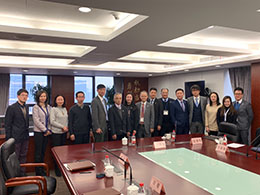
(20, 111)
(101, 104)
(117, 112)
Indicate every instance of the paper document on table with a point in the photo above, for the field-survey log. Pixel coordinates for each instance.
(235, 145)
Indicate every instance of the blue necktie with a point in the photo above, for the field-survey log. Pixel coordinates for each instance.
(104, 104)
(237, 106)
(196, 102)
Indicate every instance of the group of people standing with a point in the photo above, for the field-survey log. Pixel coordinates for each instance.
(149, 117)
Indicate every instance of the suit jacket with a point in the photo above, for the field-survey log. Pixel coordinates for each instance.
(245, 116)
(98, 115)
(178, 116)
(16, 126)
(118, 124)
(39, 119)
(148, 118)
(167, 119)
(203, 104)
(158, 112)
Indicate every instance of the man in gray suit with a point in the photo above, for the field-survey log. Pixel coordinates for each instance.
(244, 115)
(99, 115)
(145, 116)
(197, 105)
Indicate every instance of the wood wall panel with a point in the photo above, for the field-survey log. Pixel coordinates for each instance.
(135, 86)
(255, 94)
(63, 85)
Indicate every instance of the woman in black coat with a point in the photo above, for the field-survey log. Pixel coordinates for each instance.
(227, 112)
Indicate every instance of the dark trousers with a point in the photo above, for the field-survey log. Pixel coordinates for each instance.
(21, 150)
(40, 142)
(213, 133)
(81, 138)
(180, 130)
(141, 131)
(58, 140)
(243, 137)
(166, 128)
(197, 127)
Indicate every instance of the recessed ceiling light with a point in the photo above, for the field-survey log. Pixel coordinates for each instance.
(258, 10)
(211, 27)
(25, 70)
(150, 75)
(118, 74)
(218, 66)
(84, 9)
(187, 70)
(75, 72)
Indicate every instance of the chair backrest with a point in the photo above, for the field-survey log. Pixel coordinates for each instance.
(3, 189)
(9, 161)
(230, 130)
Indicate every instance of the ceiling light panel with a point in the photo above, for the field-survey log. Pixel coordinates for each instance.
(62, 20)
(37, 48)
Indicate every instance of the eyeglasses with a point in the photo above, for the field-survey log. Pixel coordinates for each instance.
(238, 94)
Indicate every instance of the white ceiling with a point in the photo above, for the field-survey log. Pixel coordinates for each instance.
(150, 36)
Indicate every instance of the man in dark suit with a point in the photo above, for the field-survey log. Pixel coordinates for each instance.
(245, 115)
(197, 106)
(145, 116)
(17, 126)
(180, 113)
(167, 124)
(100, 115)
(118, 118)
(158, 109)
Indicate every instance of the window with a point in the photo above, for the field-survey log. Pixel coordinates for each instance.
(31, 81)
(107, 81)
(16, 83)
(84, 84)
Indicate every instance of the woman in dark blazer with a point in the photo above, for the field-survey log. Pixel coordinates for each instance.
(132, 113)
(227, 112)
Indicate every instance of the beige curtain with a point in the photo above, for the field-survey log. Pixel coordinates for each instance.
(241, 77)
(4, 95)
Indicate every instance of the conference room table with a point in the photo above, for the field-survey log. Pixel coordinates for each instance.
(144, 169)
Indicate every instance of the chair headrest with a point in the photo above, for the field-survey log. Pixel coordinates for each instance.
(228, 128)
(8, 148)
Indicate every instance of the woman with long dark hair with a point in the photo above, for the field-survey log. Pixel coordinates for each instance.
(132, 113)
(41, 119)
(227, 112)
(59, 124)
(211, 114)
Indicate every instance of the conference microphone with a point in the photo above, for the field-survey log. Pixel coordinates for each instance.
(251, 143)
(125, 164)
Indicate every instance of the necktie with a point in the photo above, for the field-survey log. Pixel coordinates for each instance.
(182, 106)
(237, 106)
(104, 105)
(142, 113)
(196, 102)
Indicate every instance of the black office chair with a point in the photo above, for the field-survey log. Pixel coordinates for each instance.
(230, 130)
(11, 170)
(18, 183)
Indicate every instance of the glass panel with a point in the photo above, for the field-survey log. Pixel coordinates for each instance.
(210, 174)
(84, 84)
(107, 81)
(16, 83)
(31, 81)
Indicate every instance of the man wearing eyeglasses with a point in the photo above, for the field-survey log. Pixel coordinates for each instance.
(245, 115)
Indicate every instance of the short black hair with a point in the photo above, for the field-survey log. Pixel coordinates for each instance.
(153, 88)
(38, 94)
(79, 93)
(195, 87)
(22, 91)
(179, 89)
(55, 103)
(101, 86)
(239, 89)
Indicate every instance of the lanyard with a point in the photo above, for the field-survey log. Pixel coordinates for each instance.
(225, 115)
(46, 116)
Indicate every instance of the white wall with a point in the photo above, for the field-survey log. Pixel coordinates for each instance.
(214, 80)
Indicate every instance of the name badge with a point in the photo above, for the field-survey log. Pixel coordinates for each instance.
(141, 120)
(165, 112)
